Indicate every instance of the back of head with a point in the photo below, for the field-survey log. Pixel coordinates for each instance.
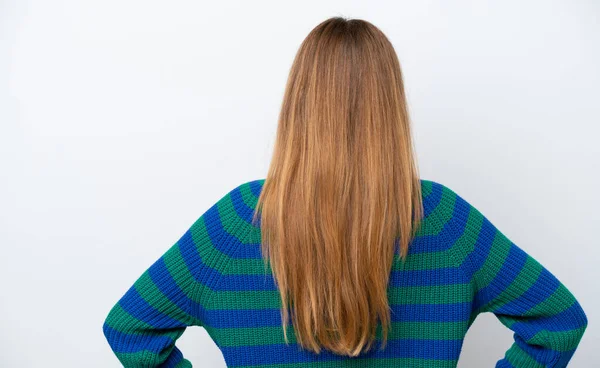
(342, 193)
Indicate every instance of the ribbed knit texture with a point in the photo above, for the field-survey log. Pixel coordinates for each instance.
(459, 265)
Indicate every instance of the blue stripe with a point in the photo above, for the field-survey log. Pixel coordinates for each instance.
(269, 317)
(451, 312)
(226, 243)
(164, 281)
(481, 249)
(243, 211)
(266, 282)
(190, 253)
(292, 354)
(133, 343)
(570, 319)
(504, 363)
(174, 358)
(133, 303)
(540, 354)
(207, 275)
(450, 233)
(428, 277)
(515, 260)
(563, 358)
(433, 200)
(256, 186)
(545, 285)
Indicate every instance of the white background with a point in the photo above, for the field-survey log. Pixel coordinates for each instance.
(122, 121)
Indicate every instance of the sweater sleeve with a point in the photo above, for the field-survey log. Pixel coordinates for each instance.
(548, 322)
(143, 326)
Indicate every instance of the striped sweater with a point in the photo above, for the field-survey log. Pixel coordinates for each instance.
(458, 266)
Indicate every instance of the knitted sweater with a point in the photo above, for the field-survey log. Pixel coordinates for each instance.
(458, 266)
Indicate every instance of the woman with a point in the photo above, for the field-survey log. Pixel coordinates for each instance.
(342, 256)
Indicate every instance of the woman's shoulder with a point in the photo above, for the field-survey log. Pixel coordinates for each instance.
(456, 219)
(443, 201)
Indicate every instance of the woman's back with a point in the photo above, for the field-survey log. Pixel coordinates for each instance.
(458, 265)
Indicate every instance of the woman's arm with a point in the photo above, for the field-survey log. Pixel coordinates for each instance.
(548, 322)
(143, 326)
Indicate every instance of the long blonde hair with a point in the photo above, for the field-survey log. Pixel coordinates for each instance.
(341, 189)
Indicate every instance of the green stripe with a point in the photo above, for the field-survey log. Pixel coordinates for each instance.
(494, 261)
(439, 294)
(156, 299)
(508, 321)
(181, 274)
(120, 320)
(248, 196)
(235, 337)
(232, 224)
(441, 214)
(526, 278)
(565, 340)
(417, 261)
(558, 302)
(426, 188)
(465, 244)
(424, 261)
